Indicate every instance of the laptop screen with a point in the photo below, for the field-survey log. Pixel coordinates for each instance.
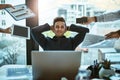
(55, 64)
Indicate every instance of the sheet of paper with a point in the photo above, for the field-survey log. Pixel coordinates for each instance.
(92, 39)
(108, 43)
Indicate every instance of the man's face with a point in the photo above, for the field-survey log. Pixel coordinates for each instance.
(59, 28)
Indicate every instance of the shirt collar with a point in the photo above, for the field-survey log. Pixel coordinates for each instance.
(59, 37)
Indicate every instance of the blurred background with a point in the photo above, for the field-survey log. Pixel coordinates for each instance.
(13, 49)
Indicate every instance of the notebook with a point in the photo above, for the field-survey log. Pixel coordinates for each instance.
(20, 31)
(52, 65)
(20, 12)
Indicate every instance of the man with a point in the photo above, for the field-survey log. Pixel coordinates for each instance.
(103, 18)
(59, 41)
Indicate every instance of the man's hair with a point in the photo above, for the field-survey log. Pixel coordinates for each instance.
(59, 19)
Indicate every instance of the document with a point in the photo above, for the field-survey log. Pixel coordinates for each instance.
(20, 12)
(91, 39)
(97, 41)
(108, 43)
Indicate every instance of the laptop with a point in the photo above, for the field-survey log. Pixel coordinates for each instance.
(20, 31)
(53, 65)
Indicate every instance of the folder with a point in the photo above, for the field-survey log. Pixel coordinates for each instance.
(20, 31)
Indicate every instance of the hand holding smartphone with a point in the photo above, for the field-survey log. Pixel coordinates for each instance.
(81, 20)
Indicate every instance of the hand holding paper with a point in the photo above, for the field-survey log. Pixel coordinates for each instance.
(20, 12)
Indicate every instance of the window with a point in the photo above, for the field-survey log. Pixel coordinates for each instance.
(12, 49)
(70, 9)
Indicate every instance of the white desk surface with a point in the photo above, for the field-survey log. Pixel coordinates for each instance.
(3, 72)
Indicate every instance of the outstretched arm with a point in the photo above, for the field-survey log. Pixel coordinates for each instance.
(7, 30)
(2, 6)
(112, 16)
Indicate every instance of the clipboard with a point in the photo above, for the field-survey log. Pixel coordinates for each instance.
(20, 31)
(20, 12)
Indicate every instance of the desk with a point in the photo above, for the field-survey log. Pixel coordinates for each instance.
(3, 72)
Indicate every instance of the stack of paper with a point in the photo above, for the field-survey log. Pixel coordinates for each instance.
(97, 41)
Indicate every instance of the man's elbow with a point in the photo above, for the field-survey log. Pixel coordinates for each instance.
(87, 30)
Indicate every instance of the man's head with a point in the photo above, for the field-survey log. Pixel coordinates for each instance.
(59, 26)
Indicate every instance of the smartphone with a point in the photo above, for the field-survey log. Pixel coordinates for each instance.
(81, 20)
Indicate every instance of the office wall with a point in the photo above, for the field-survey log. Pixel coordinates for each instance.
(12, 48)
